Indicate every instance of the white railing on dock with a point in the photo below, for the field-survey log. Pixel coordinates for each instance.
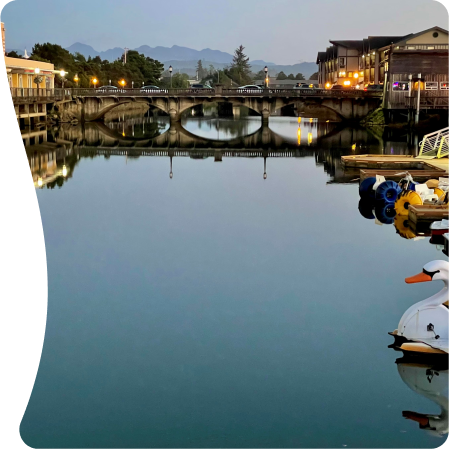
(434, 145)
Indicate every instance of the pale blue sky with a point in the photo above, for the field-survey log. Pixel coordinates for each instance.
(280, 31)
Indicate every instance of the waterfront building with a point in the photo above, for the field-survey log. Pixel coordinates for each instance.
(360, 63)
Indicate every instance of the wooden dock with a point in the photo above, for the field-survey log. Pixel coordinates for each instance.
(394, 166)
(427, 213)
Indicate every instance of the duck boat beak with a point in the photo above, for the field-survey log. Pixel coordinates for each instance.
(421, 277)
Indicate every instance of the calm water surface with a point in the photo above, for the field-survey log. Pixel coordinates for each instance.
(219, 309)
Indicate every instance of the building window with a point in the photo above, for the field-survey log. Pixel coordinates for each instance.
(435, 34)
(410, 47)
(430, 48)
(400, 86)
(430, 85)
(342, 62)
(444, 85)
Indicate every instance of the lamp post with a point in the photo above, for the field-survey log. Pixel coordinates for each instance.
(62, 73)
(170, 69)
(94, 82)
(37, 71)
(132, 84)
(123, 83)
(266, 76)
(76, 79)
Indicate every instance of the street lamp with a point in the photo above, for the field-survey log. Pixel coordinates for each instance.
(170, 69)
(62, 73)
(132, 84)
(76, 79)
(122, 83)
(94, 82)
(266, 76)
(37, 78)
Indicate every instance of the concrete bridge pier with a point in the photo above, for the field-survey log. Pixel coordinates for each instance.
(265, 117)
(236, 111)
(175, 116)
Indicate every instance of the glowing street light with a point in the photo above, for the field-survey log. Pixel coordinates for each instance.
(266, 76)
(94, 82)
(122, 83)
(76, 79)
(62, 73)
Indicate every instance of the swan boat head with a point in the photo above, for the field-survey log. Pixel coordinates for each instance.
(423, 328)
(437, 270)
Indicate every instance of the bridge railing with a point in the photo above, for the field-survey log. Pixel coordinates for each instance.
(58, 94)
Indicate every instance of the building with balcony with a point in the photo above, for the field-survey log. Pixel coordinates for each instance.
(390, 61)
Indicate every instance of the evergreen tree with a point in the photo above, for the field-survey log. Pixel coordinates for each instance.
(314, 76)
(240, 70)
(281, 76)
(299, 77)
(291, 76)
(200, 70)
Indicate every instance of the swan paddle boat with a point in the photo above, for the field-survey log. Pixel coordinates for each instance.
(423, 329)
(431, 382)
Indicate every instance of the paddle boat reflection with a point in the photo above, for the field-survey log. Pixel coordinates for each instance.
(430, 381)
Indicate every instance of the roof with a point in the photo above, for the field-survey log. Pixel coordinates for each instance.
(321, 56)
(357, 44)
(413, 35)
(376, 42)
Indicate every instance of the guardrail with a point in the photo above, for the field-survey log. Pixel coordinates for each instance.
(60, 94)
(434, 145)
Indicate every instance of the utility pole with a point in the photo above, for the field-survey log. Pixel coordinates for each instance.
(126, 52)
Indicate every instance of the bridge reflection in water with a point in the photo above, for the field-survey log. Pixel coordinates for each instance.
(53, 159)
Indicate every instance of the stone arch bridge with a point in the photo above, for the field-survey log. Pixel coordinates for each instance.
(89, 105)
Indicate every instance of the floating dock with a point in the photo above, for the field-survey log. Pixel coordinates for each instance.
(427, 213)
(394, 166)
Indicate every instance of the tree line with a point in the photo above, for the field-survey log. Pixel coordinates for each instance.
(141, 70)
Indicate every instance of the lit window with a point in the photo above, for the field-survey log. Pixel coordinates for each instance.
(431, 85)
(400, 86)
(411, 47)
(444, 85)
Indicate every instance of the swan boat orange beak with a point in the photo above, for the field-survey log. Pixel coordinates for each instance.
(421, 277)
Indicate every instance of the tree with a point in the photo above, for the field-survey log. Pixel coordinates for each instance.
(281, 76)
(314, 76)
(299, 76)
(240, 70)
(211, 69)
(13, 54)
(291, 76)
(260, 75)
(200, 70)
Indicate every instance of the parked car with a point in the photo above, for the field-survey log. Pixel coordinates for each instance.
(374, 88)
(108, 89)
(338, 87)
(301, 86)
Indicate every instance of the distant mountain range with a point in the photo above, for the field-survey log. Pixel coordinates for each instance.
(184, 59)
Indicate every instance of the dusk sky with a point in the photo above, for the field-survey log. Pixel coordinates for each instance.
(281, 31)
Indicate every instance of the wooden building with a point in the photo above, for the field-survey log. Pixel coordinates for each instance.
(396, 63)
(418, 62)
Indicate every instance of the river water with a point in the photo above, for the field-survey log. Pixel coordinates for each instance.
(193, 303)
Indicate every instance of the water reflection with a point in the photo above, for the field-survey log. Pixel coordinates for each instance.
(431, 382)
(54, 153)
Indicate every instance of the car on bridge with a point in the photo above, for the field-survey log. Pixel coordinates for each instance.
(250, 88)
(149, 89)
(107, 89)
(200, 86)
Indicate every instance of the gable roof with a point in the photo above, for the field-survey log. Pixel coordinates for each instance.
(321, 56)
(413, 35)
